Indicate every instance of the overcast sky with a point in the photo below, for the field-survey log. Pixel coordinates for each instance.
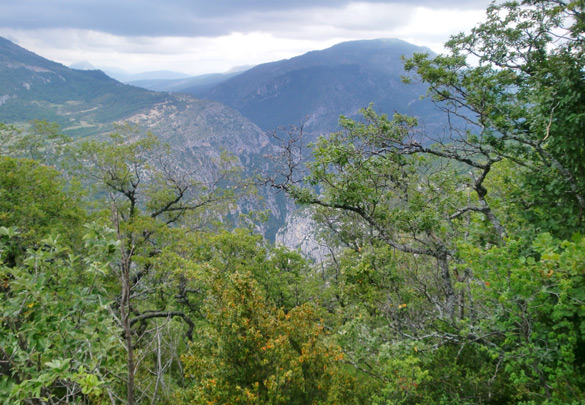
(203, 36)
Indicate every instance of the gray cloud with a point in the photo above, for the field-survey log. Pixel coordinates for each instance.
(203, 36)
(185, 17)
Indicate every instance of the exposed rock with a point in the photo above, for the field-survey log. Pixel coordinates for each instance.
(299, 232)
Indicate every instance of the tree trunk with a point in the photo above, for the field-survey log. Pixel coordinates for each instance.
(125, 312)
(450, 297)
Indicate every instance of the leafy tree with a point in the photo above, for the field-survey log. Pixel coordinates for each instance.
(536, 316)
(57, 339)
(372, 194)
(148, 196)
(409, 211)
(41, 141)
(523, 105)
(521, 101)
(253, 352)
(283, 275)
(37, 201)
(8, 134)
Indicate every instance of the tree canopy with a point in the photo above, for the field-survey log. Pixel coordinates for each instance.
(455, 272)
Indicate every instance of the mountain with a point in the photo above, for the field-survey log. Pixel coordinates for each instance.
(83, 65)
(89, 103)
(238, 110)
(81, 101)
(318, 86)
(195, 85)
(128, 78)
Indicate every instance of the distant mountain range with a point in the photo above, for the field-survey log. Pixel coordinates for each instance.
(234, 110)
(317, 87)
(165, 80)
(126, 77)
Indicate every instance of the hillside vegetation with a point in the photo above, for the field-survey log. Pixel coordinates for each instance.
(455, 271)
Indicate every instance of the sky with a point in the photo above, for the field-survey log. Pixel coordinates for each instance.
(208, 36)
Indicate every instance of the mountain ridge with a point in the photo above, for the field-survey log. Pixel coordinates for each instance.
(82, 102)
(314, 88)
(317, 87)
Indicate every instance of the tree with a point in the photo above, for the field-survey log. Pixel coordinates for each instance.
(149, 196)
(250, 351)
(284, 276)
(533, 306)
(521, 102)
(523, 105)
(57, 339)
(36, 200)
(507, 169)
(42, 141)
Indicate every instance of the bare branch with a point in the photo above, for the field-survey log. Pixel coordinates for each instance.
(167, 314)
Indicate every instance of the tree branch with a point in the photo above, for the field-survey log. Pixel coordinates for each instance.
(168, 314)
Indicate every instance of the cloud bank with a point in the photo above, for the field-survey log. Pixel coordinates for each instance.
(199, 36)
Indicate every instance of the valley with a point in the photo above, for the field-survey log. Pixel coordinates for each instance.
(234, 112)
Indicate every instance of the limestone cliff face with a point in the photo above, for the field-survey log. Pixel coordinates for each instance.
(198, 131)
(299, 232)
(190, 124)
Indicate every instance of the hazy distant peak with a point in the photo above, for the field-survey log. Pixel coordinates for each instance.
(82, 65)
(239, 69)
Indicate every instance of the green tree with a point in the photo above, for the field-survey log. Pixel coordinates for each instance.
(148, 196)
(416, 214)
(250, 351)
(37, 201)
(536, 312)
(283, 275)
(57, 339)
(522, 101)
(41, 141)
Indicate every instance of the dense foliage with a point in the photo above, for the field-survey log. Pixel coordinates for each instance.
(456, 271)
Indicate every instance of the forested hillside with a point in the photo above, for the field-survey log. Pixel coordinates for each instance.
(456, 272)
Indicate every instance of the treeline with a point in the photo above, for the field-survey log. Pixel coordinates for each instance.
(456, 271)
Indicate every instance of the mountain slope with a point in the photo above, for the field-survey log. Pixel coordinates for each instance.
(88, 103)
(32, 87)
(82, 102)
(317, 87)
